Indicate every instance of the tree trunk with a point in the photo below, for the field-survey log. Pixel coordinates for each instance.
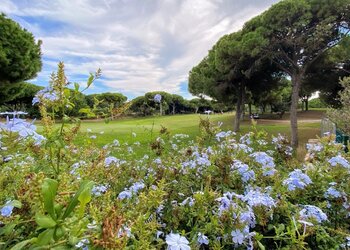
(238, 110)
(173, 109)
(307, 104)
(243, 102)
(296, 81)
(302, 104)
(250, 108)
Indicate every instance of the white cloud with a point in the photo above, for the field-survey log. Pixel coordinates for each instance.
(139, 45)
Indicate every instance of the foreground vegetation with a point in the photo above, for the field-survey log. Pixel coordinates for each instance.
(217, 191)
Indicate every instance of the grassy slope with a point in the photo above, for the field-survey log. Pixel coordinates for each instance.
(146, 128)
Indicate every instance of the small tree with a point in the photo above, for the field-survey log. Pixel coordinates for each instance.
(295, 33)
(20, 54)
(341, 116)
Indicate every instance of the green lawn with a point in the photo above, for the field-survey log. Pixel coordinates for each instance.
(147, 128)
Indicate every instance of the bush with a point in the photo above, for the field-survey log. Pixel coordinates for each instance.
(218, 192)
(317, 103)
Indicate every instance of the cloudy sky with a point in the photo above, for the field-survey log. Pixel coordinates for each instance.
(140, 45)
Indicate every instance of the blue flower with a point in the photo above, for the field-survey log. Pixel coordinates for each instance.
(189, 201)
(225, 204)
(245, 139)
(125, 194)
(46, 94)
(23, 128)
(177, 242)
(82, 244)
(237, 236)
(312, 147)
(312, 212)
(248, 217)
(242, 147)
(99, 190)
(256, 198)
(6, 210)
(128, 192)
(263, 158)
(111, 160)
(124, 231)
(297, 180)
(332, 193)
(346, 244)
(159, 233)
(202, 239)
(339, 160)
(137, 186)
(222, 134)
(243, 170)
(157, 98)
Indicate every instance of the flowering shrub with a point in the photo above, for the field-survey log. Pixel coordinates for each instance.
(220, 191)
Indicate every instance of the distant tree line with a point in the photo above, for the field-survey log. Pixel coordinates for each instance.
(110, 105)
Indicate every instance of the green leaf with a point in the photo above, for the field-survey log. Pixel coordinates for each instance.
(49, 191)
(75, 200)
(45, 237)
(15, 203)
(62, 248)
(22, 244)
(261, 246)
(76, 86)
(44, 221)
(85, 197)
(90, 80)
(59, 233)
(8, 228)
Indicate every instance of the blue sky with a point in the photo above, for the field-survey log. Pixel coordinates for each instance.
(140, 45)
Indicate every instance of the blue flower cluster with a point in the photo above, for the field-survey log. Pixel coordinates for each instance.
(297, 180)
(332, 193)
(6, 210)
(243, 170)
(110, 160)
(240, 237)
(334, 161)
(256, 198)
(177, 242)
(281, 145)
(313, 212)
(222, 135)
(202, 239)
(266, 161)
(23, 128)
(128, 192)
(157, 98)
(46, 94)
(99, 189)
(314, 147)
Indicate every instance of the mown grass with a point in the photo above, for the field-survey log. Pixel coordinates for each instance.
(148, 128)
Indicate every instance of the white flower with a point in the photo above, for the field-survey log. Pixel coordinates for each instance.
(202, 239)
(177, 242)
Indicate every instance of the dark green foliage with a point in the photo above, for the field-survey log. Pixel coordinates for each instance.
(102, 105)
(296, 33)
(170, 104)
(20, 54)
(19, 96)
(317, 103)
